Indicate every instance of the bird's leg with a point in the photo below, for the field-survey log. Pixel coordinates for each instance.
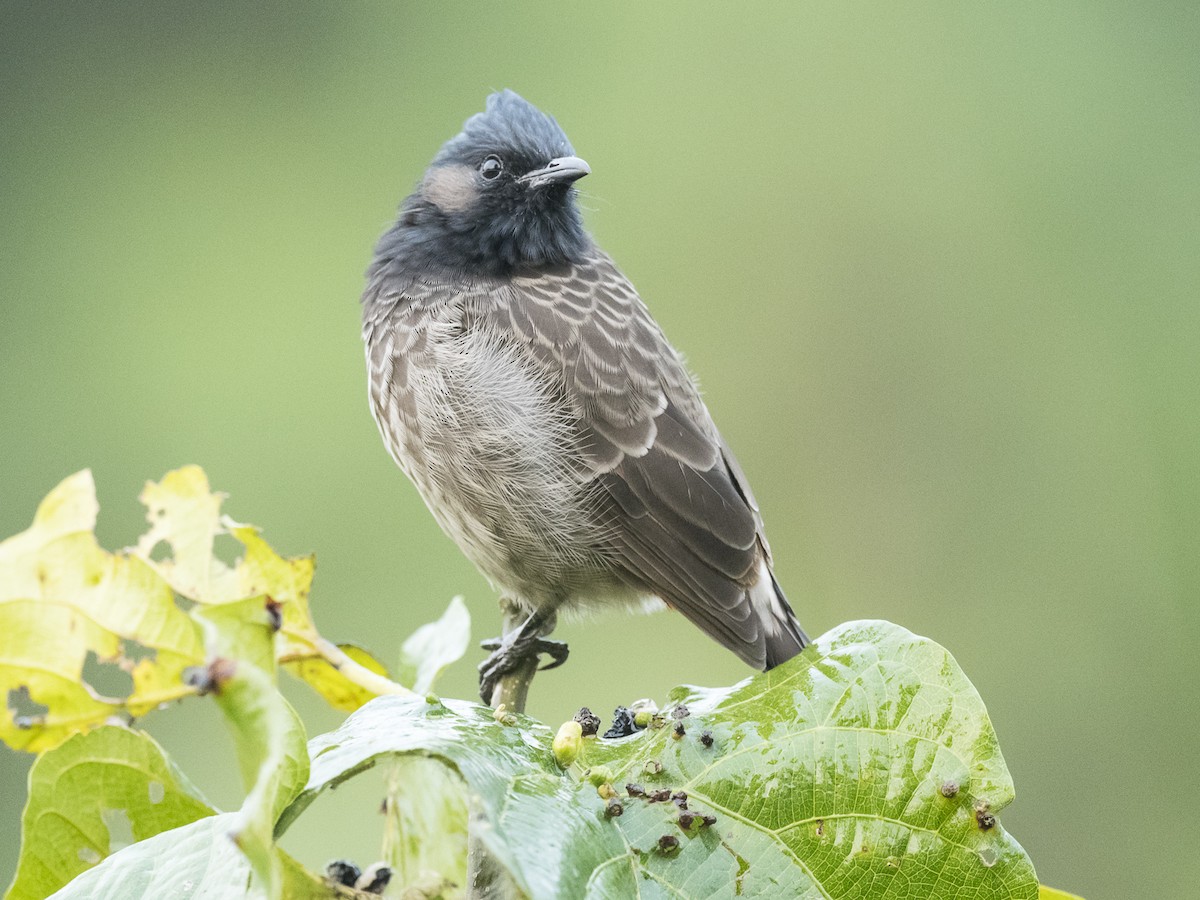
(505, 675)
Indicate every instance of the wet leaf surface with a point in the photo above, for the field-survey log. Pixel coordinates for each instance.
(824, 778)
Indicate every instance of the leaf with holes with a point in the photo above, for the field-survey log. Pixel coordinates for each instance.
(90, 796)
(185, 515)
(84, 634)
(865, 767)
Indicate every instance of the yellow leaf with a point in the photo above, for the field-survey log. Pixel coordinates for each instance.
(67, 605)
(286, 581)
(185, 514)
(68, 508)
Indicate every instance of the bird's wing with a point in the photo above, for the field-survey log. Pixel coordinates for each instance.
(684, 525)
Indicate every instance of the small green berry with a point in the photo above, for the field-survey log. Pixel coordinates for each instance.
(599, 775)
(567, 743)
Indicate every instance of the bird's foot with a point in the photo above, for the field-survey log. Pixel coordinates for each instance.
(510, 653)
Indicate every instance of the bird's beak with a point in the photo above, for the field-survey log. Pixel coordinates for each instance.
(563, 170)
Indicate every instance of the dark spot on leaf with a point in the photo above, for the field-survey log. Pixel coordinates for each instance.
(820, 827)
(211, 678)
(26, 711)
(375, 879)
(985, 819)
(679, 798)
(342, 871)
(106, 677)
(274, 613)
(588, 721)
(687, 820)
(635, 790)
(680, 731)
(613, 808)
(623, 724)
(708, 821)
(680, 712)
(949, 788)
(659, 796)
(706, 738)
(668, 844)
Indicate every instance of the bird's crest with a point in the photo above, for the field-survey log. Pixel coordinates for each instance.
(509, 124)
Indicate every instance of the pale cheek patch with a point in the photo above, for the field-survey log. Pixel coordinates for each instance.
(451, 188)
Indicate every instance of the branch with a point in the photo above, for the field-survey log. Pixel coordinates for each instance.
(486, 879)
(513, 689)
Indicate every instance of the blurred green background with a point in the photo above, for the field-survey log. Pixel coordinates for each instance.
(935, 265)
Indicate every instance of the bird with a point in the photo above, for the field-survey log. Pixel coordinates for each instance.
(555, 434)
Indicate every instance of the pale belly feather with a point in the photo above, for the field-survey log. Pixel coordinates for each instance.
(489, 444)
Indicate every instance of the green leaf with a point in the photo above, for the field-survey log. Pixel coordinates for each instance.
(865, 767)
(268, 734)
(88, 793)
(425, 831)
(433, 647)
(270, 742)
(195, 861)
(241, 631)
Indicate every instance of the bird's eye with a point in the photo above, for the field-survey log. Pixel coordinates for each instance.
(491, 168)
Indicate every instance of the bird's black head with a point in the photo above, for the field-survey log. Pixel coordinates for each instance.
(497, 199)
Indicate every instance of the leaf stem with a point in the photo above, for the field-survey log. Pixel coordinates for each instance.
(356, 672)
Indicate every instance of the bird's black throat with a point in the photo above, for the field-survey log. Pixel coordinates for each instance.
(546, 232)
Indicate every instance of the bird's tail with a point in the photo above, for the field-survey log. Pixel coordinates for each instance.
(784, 636)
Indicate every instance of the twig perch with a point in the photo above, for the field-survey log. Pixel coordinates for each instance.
(486, 880)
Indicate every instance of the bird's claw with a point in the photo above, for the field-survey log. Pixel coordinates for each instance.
(506, 658)
(556, 650)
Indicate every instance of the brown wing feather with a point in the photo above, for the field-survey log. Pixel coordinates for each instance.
(685, 527)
